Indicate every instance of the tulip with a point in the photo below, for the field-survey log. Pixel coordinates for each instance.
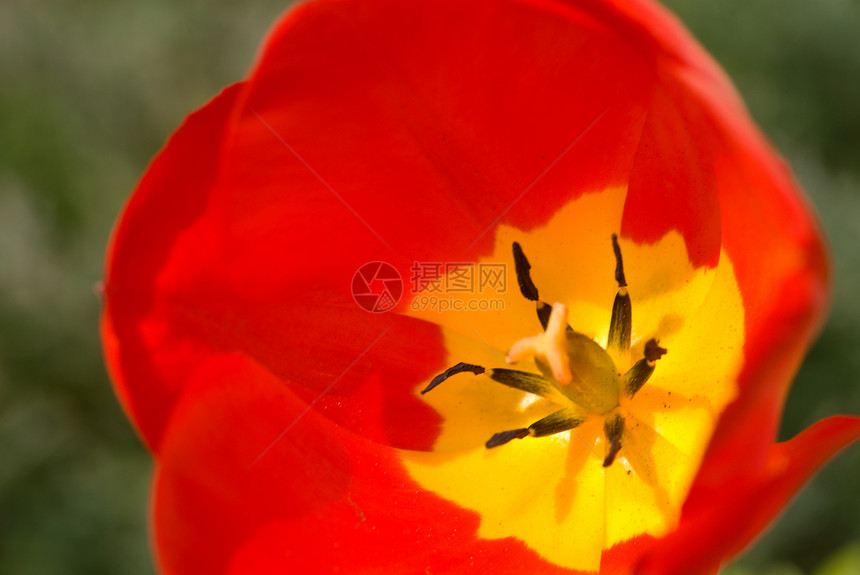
(554, 217)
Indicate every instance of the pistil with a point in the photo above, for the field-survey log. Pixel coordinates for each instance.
(550, 346)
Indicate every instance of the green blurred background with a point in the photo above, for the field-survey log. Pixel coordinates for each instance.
(90, 89)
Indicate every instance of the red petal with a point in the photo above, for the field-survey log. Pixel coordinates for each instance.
(148, 359)
(428, 135)
(715, 529)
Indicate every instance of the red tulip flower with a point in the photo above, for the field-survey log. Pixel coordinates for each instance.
(378, 211)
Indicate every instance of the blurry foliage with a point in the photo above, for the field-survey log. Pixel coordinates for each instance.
(90, 91)
(845, 562)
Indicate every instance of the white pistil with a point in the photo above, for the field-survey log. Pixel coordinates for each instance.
(550, 346)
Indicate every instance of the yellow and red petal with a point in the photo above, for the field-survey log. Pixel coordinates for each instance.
(268, 271)
(711, 533)
(265, 485)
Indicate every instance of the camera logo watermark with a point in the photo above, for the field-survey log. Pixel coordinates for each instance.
(377, 287)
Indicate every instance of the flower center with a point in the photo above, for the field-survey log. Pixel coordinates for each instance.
(553, 493)
(577, 374)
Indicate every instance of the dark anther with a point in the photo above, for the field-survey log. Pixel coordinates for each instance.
(524, 278)
(619, 263)
(621, 324)
(506, 436)
(614, 448)
(653, 351)
(523, 380)
(527, 286)
(459, 368)
(641, 371)
(556, 422)
(614, 429)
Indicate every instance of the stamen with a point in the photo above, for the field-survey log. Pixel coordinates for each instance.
(653, 351)
(641, 371)
(619, 263)
(524, 381)
(459, 368)
(561, 420)
(524, 279)
(506, 436)
(621, 324)
(614, 429)
(556, 422)
(527, 286)
(521, 380)
(551, 346)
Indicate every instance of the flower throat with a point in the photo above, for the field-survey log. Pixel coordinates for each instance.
(576, 373)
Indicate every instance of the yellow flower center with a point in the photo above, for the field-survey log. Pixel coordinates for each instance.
(556, 488)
